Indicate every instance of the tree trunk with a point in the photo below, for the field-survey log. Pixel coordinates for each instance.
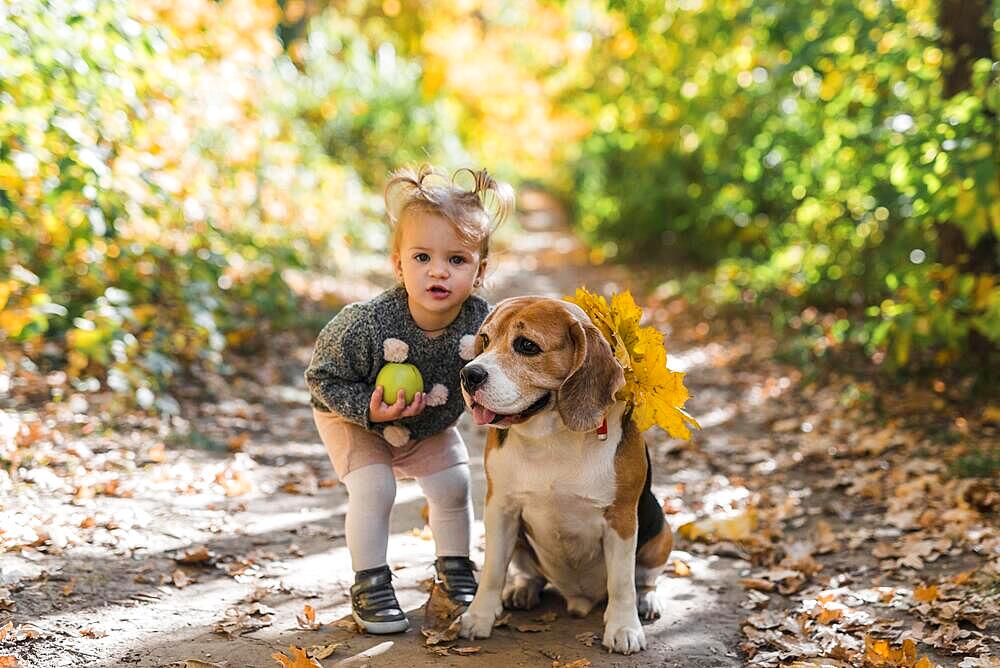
(966, 36)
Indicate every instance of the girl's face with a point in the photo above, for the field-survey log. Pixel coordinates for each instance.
(437, 268)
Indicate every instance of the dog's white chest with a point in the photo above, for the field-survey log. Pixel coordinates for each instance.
(562, 491)
(542, 474)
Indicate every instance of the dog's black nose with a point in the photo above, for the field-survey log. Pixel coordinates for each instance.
(473, 376)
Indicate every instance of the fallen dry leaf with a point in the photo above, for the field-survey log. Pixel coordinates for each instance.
(439, 611)
(963, 577)
(735, 525)
(547, 617)
(91, 632)
(157, 453)
(588, 638)
(828, 615)
(465, 651)
(307, 620)
(532, 628)
(926, 594)
(880, 654)
(348, 624)
(28, 632)
(422, 534)
(180, 579)
(296, 658)
(237, 621)
(434, 636)
(7, 661)
(234, 482)
(257, 594)
(6, 602)
(760, 584)
(236, 443)
(198, 554)
(681, 569)
(578, 663)
(323, 651)
(5, 629)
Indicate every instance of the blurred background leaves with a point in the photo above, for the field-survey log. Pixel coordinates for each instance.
(168, 168)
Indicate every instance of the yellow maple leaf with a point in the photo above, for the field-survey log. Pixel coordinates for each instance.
(880, 654)
(734, 525)
(828, 615)
(656, 393)
(927, 594)
(681, 569)
(298, 659)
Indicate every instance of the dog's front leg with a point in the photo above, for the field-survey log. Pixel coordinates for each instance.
(622, 631)
(502, 521)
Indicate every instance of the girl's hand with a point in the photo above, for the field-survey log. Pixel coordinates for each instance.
(379, 411)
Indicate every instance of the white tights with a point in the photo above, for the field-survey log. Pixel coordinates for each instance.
(371, 493)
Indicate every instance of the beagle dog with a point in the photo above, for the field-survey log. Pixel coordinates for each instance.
(568, 498)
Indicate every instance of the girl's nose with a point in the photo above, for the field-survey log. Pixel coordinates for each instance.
(439, 269)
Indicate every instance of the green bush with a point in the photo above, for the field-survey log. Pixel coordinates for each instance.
(162, 168)
(806, 153)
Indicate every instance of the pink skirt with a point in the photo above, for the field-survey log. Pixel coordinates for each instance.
(351, 447)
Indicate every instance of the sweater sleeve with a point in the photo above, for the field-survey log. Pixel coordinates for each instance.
(339, 372)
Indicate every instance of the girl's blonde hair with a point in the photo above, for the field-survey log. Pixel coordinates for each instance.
(474, 213)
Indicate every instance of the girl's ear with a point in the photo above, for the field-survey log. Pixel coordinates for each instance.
(397, 266)
(481, 274)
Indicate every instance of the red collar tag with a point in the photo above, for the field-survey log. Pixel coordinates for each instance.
(602, 431)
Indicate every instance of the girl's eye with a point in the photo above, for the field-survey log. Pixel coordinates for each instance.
(421, 257)
(526, 346)
(485, 341)
(457, 259)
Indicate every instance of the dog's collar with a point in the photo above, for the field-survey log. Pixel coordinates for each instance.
(602, 431)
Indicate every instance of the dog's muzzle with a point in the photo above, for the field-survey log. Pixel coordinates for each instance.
(473, 376)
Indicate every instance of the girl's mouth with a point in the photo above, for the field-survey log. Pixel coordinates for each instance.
(439, 292)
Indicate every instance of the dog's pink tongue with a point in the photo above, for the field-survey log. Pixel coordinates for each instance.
(482, 415)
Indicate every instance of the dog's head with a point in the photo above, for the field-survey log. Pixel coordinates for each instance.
(536, 354)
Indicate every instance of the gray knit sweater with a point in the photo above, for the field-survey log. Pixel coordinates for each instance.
(350, 352)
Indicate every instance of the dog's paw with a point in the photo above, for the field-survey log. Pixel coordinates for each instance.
(649, 605)
(625, 636)
(523, 593)
(476, 625)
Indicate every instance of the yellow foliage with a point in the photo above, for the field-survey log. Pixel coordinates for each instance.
(734, 526)
(880, 654)
(926, 594)
(656, 393)
(13, 321)
(298, 659)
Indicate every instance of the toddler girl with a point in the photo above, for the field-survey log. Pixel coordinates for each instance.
(439, 251)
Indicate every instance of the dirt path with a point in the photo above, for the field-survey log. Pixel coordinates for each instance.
(128, 541)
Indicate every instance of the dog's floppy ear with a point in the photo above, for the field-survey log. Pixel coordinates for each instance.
(596, 376)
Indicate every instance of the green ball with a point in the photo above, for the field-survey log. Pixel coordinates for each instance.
(394, 377)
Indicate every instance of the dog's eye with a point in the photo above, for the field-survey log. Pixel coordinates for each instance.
(485, 340)
(526, 346)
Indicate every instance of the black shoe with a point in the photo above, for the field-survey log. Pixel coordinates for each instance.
(455, 577)
(374, 604)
